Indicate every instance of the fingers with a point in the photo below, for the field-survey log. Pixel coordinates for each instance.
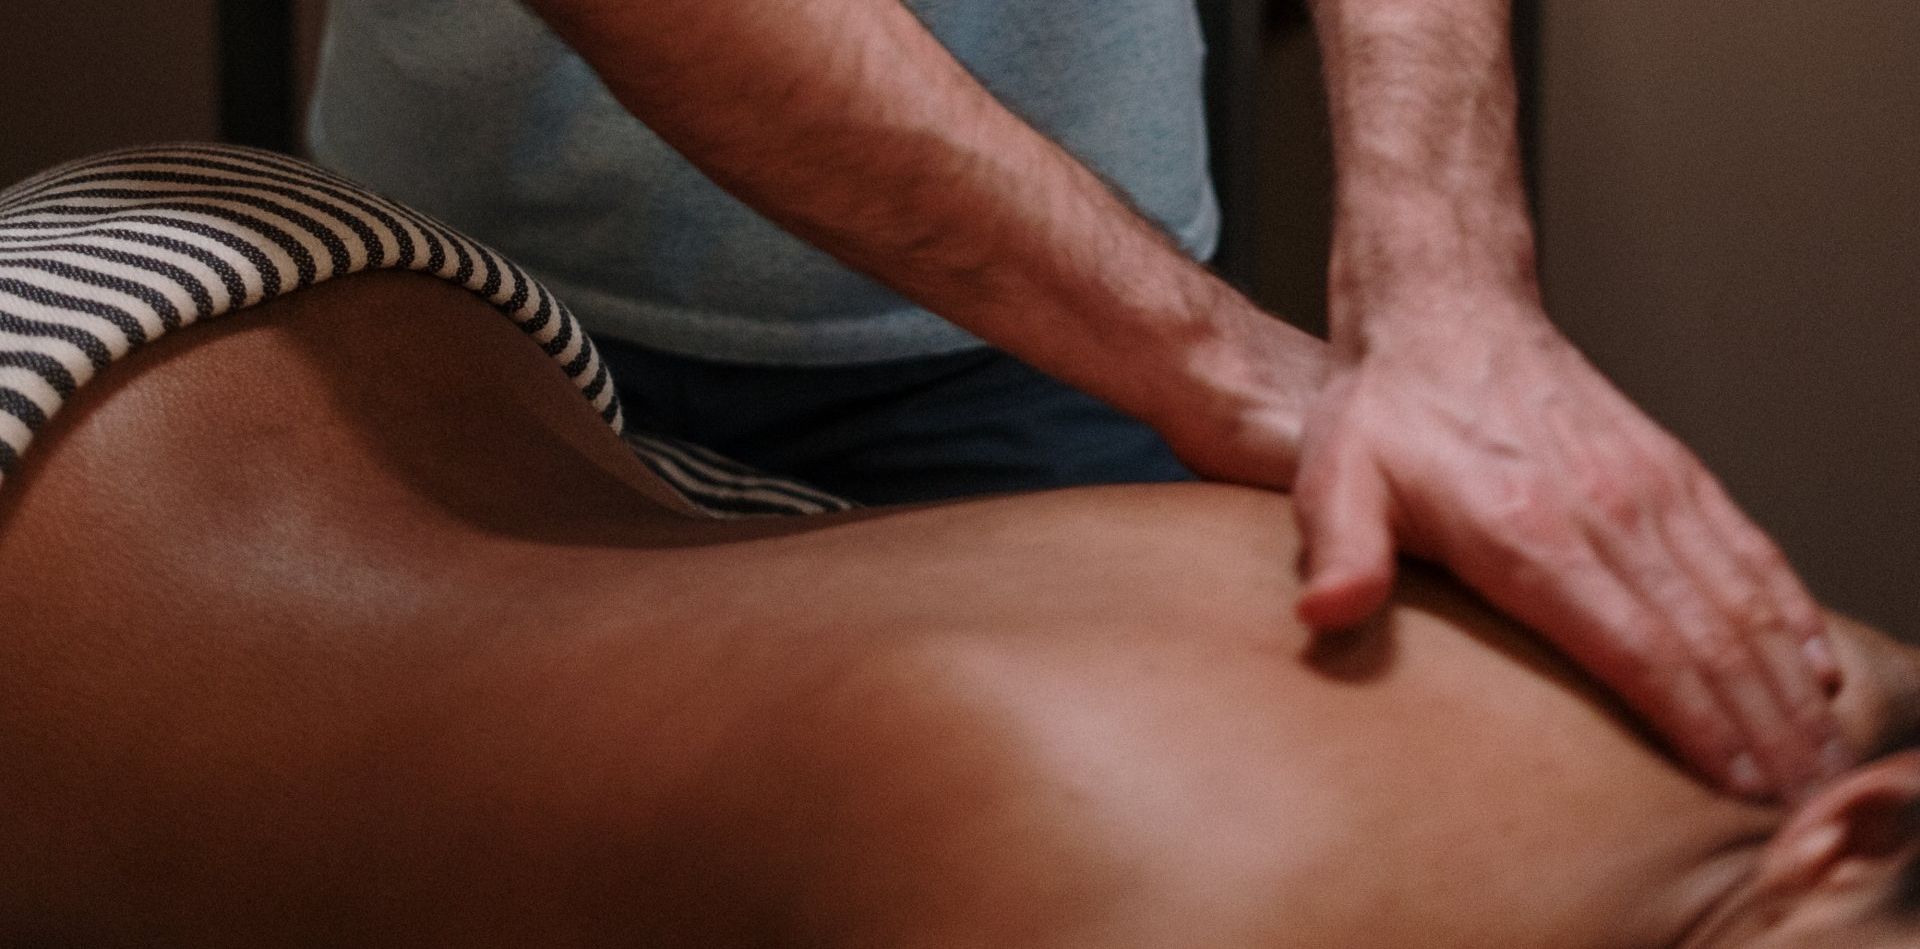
(1798, 610)
(1703, 596)
(1582, 519)
(1794, 644)
(1607, 628)
(1633, 580)
(1798, 738)
(1645, 522)
(1345, 513)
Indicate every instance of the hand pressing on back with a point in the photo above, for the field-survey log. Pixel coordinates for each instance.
(1484, 441)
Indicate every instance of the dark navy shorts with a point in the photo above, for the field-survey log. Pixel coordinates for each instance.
(978, 422)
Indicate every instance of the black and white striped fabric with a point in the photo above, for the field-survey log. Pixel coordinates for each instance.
(103, 255)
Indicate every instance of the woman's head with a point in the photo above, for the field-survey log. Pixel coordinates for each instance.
(1843, 872)
(1844, 869)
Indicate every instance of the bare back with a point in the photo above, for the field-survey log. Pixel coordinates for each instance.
(347, 622)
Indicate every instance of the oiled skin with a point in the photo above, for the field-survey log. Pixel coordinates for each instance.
(346, 623)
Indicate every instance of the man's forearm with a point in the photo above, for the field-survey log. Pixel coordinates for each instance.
(1430, 191)
(850, 125)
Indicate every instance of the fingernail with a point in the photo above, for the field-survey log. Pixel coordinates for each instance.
(1836, 757)
(1820, 656)
(1745, 774)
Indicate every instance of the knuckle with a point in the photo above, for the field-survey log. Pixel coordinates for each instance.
(1763, 554)
(1802, 615)
(1609, 496)
(1669, 493)
(1753, 609)
(1667, 472)
(1722, 653)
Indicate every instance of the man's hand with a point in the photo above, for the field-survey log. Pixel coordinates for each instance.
(1458, 424)
(1490, 445)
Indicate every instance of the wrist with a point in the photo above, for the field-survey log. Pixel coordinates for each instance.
(1387, 230)
(1237, 405)
(1429, 261)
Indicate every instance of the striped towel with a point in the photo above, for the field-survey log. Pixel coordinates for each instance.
(101, 256)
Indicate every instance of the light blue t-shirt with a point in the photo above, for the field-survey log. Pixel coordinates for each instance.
(473, 110)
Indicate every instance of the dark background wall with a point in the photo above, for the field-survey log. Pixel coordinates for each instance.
(1731, 205)
(80, 75)
(1730, 201)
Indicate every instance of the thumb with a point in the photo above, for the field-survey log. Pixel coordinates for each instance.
(1349, 561)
